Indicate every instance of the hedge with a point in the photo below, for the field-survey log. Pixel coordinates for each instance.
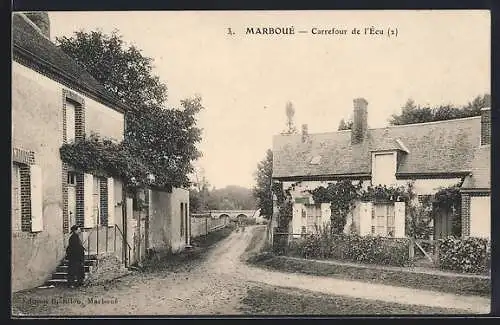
(469, 255)
(353, 248)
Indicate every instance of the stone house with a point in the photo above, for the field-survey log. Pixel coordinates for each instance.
(55, 101)
(430, 155)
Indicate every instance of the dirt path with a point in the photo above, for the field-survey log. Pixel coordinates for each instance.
(217, 285)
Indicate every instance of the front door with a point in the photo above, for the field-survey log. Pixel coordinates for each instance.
(442, 224)
(72, 205)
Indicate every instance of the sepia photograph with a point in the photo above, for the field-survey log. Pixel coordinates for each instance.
(250, 163)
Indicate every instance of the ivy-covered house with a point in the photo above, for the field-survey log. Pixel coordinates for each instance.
(55, 102)
(376, 173)
(69, 166)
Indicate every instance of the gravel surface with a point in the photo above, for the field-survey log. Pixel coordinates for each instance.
(216, 285)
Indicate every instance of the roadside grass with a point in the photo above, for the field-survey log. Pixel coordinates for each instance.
(186, 259)
(269, 300)
(456, 285)
(255, 241)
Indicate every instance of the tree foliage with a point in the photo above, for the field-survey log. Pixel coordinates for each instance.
(345, 125)
(412, 113)
(122, 70)
(262, 191)
(162, 139)
(231, 197)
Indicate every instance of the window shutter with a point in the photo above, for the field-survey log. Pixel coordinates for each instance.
(36, 198)
(88, 190)
(365, 218)
(399, 219)
(111, 202)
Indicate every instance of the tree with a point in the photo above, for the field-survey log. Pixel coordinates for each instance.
(343, 125)
(163, 139)
(123, 71)
(290, 113)
(263, 190)
(412, 113)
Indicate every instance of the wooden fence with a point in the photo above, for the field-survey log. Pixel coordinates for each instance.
(204, 224)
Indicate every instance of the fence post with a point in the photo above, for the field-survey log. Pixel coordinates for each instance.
(206, 226)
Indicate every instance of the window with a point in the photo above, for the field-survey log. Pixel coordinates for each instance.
(313, 217)
(391, 228)
(96, 199)
(71, 178)
(27, 198)
(70, 121)
(383, 221)
(383, 171)
(315, 160)
(16, 198)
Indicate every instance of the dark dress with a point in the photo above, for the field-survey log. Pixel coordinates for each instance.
(76, 257)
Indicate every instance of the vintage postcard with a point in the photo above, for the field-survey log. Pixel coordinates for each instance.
(243, 163)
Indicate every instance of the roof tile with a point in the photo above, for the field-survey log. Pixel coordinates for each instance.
(436, 147)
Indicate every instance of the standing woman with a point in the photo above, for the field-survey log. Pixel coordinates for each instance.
(75, 253)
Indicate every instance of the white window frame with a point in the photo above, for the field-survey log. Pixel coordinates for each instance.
(381, 225)
(96, 200)
(70, 121)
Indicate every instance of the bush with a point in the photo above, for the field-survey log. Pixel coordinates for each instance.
(469, 255)
(280, 244)
(354, 248)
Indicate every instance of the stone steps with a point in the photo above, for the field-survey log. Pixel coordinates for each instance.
(60, 275)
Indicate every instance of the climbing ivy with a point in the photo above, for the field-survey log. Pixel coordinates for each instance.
(101, 156)
(343, 195)
(285, 205)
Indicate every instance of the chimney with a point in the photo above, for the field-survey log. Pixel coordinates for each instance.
(485, 126)
(305, 134)
(41, 20)
(359, 121)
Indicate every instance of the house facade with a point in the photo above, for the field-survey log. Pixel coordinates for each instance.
(55, 101)
(430, 156)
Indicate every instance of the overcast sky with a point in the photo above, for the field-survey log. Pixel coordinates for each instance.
(245, 80)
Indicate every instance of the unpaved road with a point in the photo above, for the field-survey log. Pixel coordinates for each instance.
(216, 286)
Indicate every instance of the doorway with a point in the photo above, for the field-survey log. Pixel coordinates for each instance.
(71, 198)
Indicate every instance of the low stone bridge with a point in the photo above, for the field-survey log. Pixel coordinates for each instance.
(232, 214)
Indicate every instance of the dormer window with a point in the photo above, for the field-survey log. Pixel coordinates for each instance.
(315, 160)
(383, 168)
